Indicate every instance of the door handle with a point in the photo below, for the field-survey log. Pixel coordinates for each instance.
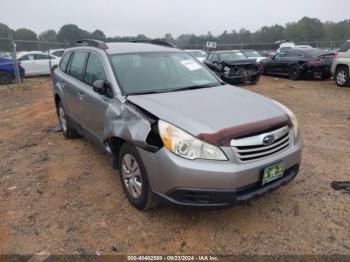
(81, 95)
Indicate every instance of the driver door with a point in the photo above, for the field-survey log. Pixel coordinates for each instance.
(93, 106)
(212, 62)
(277, 63)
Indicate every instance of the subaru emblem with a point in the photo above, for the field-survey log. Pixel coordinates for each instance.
(268, 140)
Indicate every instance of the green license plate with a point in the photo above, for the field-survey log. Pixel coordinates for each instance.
(273, 172)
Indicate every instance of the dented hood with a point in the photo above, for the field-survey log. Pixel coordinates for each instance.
(209, 110)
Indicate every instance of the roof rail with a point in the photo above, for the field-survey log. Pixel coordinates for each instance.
(156, 42)
(91, 42)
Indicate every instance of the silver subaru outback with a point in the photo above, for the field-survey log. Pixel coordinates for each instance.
(174, 130)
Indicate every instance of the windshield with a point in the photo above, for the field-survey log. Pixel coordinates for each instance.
(198, 53)
(140, 73)
(251, 53)
(229, 56)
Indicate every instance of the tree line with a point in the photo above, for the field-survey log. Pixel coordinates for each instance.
(306, 30)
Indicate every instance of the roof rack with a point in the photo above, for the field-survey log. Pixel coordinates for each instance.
(91, 42)
(156, 42)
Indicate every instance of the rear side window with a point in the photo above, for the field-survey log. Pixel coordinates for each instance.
(345, 47)
(42, 57)
(64, 62)
(58, 53)
(27, 57)
(94, 70)
(77, 64)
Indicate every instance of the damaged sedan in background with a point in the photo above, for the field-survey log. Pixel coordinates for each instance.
(174, 130)
(234, 67)
(297, 63)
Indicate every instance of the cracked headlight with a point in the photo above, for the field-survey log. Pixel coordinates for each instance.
(187, 146)
(292, 118)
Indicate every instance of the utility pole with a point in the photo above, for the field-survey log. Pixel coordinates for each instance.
(14, 57)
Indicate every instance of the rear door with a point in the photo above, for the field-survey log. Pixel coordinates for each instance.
(277, 64)
(28, 63)
(212, 62)
(42, 63)
(94, 105)
(73, 91)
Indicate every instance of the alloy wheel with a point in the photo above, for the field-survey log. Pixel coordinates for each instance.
(341, 77)
(132, 176)
(62, 118)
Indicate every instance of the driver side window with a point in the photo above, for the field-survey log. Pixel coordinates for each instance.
(215, 58)
(94, 70)
(280, 55)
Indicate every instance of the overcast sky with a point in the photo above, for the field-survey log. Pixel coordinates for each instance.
(154, 18)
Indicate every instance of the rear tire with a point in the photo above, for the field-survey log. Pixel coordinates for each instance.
(134, 178)
(5, 78)
(294, 72)
(67, 128)
(342, 77)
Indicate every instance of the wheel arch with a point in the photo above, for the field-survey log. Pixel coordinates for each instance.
(57, 99)
(341, 65)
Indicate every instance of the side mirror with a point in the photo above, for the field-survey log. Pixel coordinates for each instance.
(102, 87)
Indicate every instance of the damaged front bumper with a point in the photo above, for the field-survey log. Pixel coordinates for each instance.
(207, 183)
(245, 78)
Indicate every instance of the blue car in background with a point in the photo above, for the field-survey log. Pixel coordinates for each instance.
(7, 71)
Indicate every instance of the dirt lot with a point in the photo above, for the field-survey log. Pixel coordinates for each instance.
(63, 196)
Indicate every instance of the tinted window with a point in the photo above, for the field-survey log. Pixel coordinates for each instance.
(280, 55)
(42, 57)
(27, 57)
(291, 54)
(77, 64)
(58, 53)
(345, 47)
(214, 58)
(64, 62)
(94, 70)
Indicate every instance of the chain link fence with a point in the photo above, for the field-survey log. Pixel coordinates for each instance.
(264, 47)
(10, 48)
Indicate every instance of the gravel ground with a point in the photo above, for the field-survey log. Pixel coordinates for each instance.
(62, 196)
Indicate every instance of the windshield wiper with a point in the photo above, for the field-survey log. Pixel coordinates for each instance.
(175, 89)
(193, 87)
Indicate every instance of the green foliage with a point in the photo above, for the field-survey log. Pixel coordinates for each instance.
(305, 30)
(27, 35)
(71, 33)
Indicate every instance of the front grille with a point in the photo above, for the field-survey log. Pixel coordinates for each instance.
(245, 70)
(253, 148)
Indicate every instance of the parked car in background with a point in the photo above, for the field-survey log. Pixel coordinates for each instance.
(199, 54)
(37, 63)
(174, 130)
(57, 52)
(299, 63)
(233, 67)
(252, 54)
(6, 55)
(341, 65)
(7, 71)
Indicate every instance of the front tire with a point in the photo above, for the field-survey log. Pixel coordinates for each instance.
(5, 78)
(67, 129)
(294, 72)
(342, 77)
(134, 178)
